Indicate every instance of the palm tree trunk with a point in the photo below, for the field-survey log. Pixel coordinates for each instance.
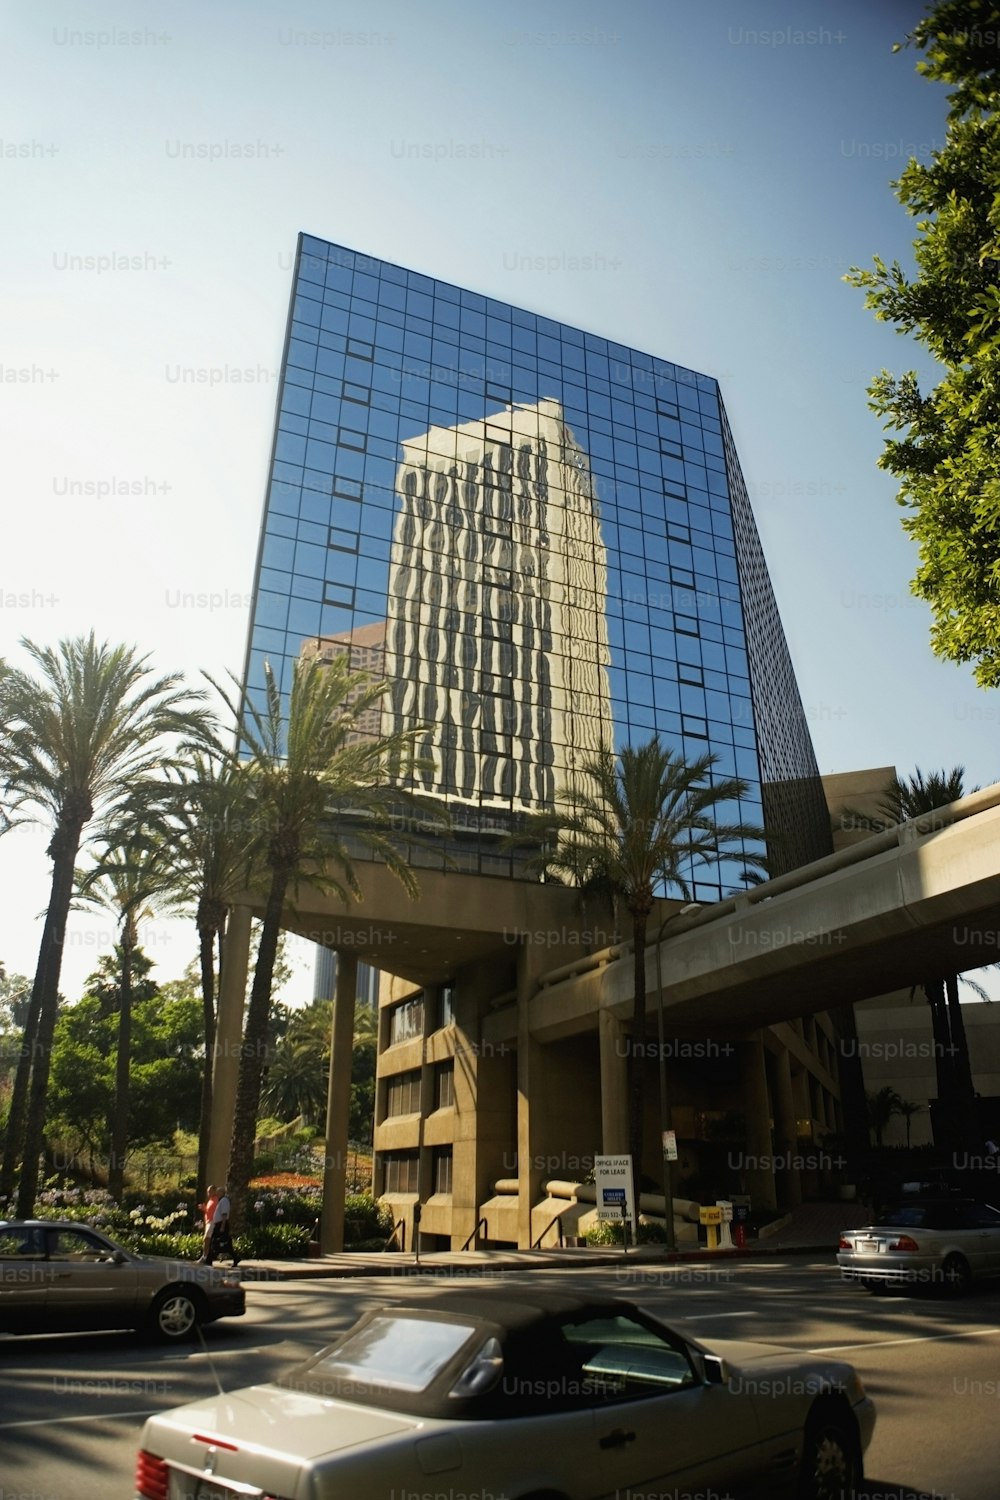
(123, 1068)
(959, 1041)
(941, 1029)
(64, 847)
(206, 935)
(254, 1046)
(19, 1096)
(966, 1124)
(637, 1057)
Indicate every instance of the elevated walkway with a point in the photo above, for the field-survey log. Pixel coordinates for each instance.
(920, 901)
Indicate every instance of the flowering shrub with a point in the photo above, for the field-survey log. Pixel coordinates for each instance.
(288, 1198)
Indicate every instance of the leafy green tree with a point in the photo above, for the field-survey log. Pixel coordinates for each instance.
(636, 822)
(947, 459)
(15, 998)
(298, 1074)
(321, 787)
(165, 1061)
(81, 737)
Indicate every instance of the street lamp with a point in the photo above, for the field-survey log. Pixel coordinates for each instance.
(665, 1116)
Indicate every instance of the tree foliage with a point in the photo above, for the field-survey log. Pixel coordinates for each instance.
(83, 732)
(947, 458)
(165, 1067)
(321, 787)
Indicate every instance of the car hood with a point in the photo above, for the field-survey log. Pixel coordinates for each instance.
(263, 1417)
(749, 1352)
(768, 1370)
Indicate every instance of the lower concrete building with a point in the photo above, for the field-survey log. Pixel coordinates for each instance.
(478, 1114)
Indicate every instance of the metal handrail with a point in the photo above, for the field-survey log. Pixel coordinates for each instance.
(400, 1239)
(474, 1233)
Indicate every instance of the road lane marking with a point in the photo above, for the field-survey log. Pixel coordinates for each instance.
(928, 1338)
(705, 1317)
(102, 1416)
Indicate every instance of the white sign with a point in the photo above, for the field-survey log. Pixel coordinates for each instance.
(669, 1145)
(613, 1179)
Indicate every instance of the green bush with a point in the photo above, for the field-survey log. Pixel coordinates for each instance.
(606, 1233)
(274, 1242)
(365, 1218)
(173, 1246)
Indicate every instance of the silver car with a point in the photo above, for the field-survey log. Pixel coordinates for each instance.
(942, 1242)
(62, 1277)
(515, 1393)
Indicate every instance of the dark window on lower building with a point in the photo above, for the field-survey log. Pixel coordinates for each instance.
(401, 1171)
(442, 1169)
(403, 1094)
(444, 1086)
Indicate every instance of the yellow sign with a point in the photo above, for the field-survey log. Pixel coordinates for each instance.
(710, 1215)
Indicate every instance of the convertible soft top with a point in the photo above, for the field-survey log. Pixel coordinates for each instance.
(513, 1338)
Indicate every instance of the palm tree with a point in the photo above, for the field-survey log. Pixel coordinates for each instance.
(320, 786)
(647, 820)
(906, 1109)
(132, 872)
(882, 1106)
(209, 821)
(80, 738)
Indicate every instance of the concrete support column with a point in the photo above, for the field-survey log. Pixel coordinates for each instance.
(614, 1085)
(228, 1041)
(338, 1105)
(758, 1153)
(531, 961)
(787, 1129)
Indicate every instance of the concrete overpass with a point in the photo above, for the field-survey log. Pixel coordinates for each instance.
(920, 901)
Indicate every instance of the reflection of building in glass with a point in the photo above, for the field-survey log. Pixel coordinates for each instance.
(497, 636)
(546, 532)
(366, 644)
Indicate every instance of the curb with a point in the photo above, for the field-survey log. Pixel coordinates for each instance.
(649, 1257)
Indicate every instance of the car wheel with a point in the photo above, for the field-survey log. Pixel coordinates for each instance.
(831, 1467)
(174, 1314)
(957, 1275)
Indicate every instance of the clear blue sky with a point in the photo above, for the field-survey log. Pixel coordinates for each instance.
(692, 179)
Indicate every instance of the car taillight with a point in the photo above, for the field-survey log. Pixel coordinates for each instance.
(845, 1243)
(904, 1243)
(151, 1477)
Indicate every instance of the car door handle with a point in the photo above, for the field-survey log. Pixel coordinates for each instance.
(618, 1438)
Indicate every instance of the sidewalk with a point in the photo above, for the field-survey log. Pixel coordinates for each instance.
(811, 1228)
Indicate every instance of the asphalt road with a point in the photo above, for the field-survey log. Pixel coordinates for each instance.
(71, 1408)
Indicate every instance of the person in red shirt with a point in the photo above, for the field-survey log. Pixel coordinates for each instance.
(208, 1209)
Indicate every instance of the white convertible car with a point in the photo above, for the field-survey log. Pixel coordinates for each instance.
(528, 1396)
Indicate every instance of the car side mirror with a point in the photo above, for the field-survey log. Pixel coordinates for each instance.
(713, 1368)
(120, 1258)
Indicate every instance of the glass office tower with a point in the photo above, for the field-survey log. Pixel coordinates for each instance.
(543, 542)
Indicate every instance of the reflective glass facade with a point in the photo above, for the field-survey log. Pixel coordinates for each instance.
(539, 537)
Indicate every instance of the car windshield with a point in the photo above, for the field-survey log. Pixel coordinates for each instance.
(397, 1354)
